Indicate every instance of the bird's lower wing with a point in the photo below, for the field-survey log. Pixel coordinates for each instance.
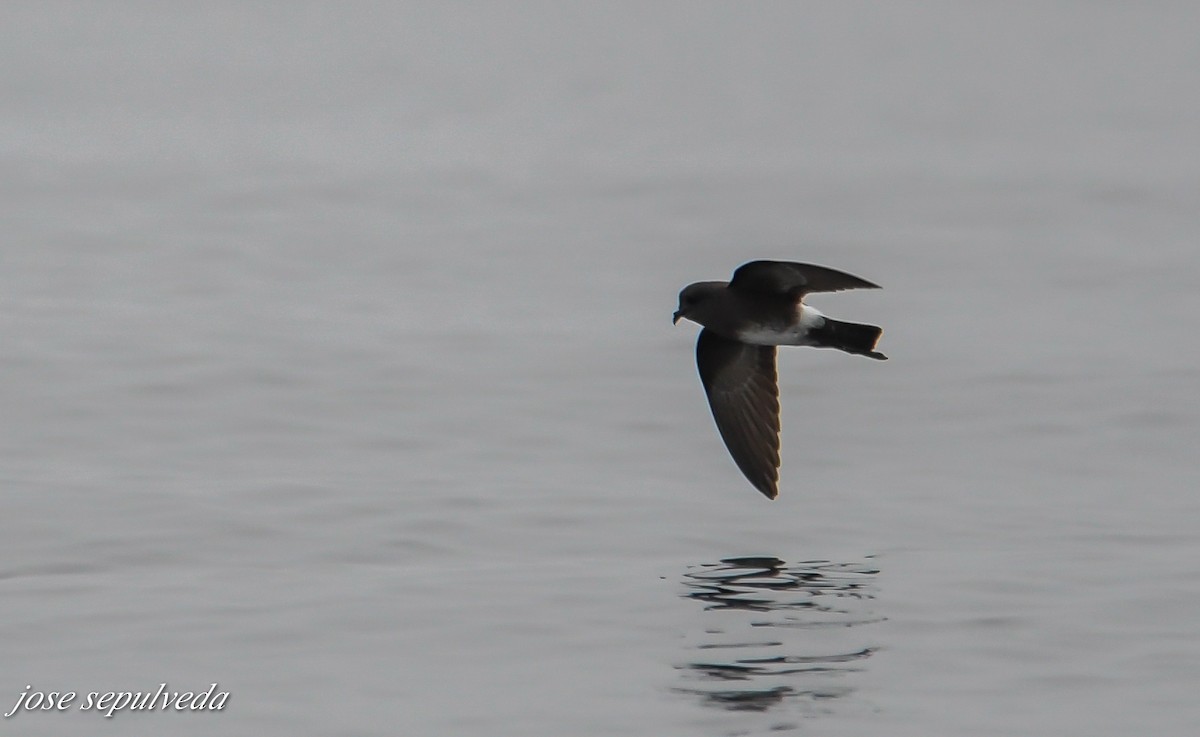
(743, 392)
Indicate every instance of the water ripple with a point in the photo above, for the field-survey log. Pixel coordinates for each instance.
(735, 668)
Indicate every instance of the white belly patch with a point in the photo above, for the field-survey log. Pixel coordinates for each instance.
(797, 334)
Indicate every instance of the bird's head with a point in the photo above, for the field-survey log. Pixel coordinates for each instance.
(698, 300)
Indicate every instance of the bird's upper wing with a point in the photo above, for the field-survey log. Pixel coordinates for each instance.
(793, 279)
(743, 392)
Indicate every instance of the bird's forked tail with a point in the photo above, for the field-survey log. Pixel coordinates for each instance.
(850, 337)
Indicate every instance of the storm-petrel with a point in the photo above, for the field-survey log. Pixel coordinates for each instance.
(744, 319)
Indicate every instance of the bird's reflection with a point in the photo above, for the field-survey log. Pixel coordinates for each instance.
(777, 633)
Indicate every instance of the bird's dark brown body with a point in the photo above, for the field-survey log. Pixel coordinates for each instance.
(744, 320)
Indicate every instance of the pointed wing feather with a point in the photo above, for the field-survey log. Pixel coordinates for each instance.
(794, 279)
(743, 392)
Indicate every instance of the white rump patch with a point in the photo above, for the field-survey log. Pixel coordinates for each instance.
(797, 334)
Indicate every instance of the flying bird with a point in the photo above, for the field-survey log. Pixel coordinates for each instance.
(744, 319)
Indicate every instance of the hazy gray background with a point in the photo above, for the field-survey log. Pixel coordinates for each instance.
(337, 367)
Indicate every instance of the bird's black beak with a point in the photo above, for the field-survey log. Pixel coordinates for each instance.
(675, 317)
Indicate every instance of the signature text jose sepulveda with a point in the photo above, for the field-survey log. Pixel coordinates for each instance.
(110, 702)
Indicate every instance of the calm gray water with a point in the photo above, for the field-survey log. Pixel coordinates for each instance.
(338, 368)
